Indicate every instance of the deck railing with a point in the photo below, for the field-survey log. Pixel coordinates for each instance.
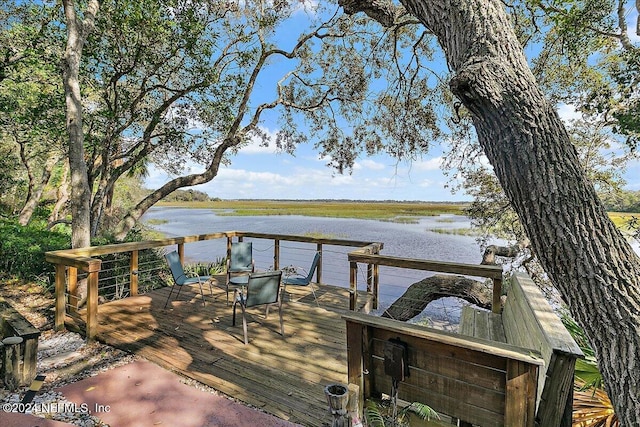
(369, 256)
(72, 264)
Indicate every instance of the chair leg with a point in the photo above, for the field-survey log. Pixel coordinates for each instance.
(233, 323)
(227, 286)
(169, 297)
(178, 294)
(314, 294)
(202, 294)
(281, 320)
(244, 325)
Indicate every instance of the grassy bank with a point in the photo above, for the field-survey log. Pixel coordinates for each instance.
(337, 209)
(621, 219)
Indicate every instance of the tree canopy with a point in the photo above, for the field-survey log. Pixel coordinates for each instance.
(174, 82)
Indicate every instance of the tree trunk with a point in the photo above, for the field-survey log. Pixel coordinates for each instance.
(493, 251)
(77, 32)
(62, 196)
(417, 296)
(35, 192)
(588, 260)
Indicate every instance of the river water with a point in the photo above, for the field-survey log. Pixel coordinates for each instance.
(399, 239)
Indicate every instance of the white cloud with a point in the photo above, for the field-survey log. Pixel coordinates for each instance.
(256, 145)
(432, 164)
(369, 164)
(568, 112)
(308, 7)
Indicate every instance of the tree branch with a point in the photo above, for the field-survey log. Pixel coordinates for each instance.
(383, 11)
(493, 251)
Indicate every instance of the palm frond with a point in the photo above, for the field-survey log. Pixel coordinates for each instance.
(373, 415)
(587, 371)
(423, 411)
(592, 407)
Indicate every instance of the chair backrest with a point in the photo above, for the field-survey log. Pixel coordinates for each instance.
(241, 256)
(173, 259)
(312, 269)
(263, 288)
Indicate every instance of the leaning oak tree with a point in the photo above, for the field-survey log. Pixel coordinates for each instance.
(255, 74)
(78, 29)
(589, 261)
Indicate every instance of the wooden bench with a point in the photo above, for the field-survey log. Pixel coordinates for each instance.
(23, 358)
(529, 322)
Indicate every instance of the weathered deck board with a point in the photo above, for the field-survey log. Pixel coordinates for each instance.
(284, 376)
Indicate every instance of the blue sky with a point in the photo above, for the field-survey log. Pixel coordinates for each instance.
(263, 173)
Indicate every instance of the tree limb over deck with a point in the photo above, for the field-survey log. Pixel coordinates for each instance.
(418, 295)
(416, 298)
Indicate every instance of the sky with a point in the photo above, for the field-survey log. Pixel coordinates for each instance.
(263, 173)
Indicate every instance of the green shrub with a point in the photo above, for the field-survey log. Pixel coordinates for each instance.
(22, 249)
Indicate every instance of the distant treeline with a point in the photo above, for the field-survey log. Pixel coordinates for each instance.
(624, 201)
(190, 196)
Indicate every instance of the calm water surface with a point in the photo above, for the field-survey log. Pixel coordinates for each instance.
(405, 240)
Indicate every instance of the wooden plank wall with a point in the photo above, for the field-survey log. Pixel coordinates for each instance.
(463, 377)
(530, 322)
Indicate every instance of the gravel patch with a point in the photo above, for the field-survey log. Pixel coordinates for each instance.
(65, 357)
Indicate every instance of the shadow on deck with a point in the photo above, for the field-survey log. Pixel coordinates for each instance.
(284, 376)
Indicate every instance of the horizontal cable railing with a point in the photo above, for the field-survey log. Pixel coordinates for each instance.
(117, 271)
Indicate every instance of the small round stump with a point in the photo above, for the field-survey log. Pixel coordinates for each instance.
(338, 398)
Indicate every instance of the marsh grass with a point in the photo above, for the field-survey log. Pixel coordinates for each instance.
(157, 221)
(621, 219)
(323, 235)
(445, 220)
(400, 211)
(456, 231)
(403, 220)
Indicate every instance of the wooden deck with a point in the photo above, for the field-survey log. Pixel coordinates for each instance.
(284, 376)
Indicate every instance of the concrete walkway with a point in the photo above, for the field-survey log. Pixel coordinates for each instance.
(142, 394)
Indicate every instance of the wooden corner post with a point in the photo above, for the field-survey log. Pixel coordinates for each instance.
(60, 296)
(520, 398)
(92, 299)
(353, 285)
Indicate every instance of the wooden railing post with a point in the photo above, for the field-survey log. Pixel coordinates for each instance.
(92, 304)
(319, 269)
(72, 286)
(355, 362)
(181, 252)
(60, 296)
(133, 273)
(376, 285)
(93, 272)
(276, 254)
(496, 304)
(353, 285)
